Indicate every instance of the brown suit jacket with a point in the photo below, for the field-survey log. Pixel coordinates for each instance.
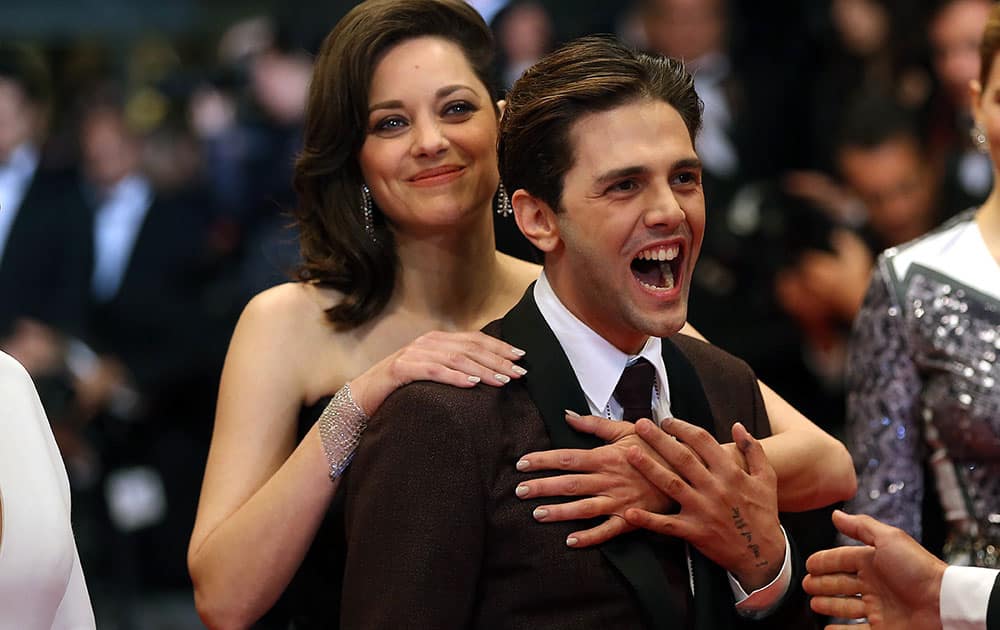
(437, 539)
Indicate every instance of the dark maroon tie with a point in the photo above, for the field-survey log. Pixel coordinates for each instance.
(634, 391)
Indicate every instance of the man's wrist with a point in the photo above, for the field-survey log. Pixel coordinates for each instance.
(765, 562)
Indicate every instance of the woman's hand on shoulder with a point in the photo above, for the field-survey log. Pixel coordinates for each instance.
(461, 359)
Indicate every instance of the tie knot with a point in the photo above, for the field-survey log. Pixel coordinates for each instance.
(634, 391)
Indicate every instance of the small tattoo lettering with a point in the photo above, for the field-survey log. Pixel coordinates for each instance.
(743, 529)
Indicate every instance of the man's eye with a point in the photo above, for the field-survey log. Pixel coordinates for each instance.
(686, 178)
(625, 185)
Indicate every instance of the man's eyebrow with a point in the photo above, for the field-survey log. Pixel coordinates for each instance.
(440, 93)
(687, 163)
(631, 171)
(617, 173)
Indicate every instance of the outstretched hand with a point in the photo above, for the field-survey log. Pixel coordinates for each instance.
(891, 581)
(461, 359)
(602, 476)
(729, 514)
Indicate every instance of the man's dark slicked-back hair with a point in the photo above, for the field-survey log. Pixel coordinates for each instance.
(589, 75)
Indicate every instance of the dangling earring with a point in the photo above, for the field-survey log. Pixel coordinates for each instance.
(504, 208)
(979, 138)
(368, 212)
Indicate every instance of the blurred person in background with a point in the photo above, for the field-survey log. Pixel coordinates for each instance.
(889, 178)
(149, 350)
(43, 260)
(249, 121)
(922, 369)
(955, 31)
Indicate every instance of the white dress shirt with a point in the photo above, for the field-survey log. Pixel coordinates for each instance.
(116, 227)
(965, 597)
(15, 178)
(598, 366)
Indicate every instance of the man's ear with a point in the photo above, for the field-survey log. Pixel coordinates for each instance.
(536, 220)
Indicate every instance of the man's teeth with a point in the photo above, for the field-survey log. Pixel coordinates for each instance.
(659, 253)
(668, 278)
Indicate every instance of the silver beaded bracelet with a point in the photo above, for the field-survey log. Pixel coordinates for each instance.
(340, 427)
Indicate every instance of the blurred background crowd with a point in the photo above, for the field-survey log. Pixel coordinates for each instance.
(145, 169)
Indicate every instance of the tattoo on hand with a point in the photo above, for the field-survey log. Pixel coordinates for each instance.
(744, 530)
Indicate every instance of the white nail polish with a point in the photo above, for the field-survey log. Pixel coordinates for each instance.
(540, 513)
(519, 370)
(517, 351)
(503, 378)
(522, 464)
(571, 541)
(474, 379)
(571, 413)
(521, 491)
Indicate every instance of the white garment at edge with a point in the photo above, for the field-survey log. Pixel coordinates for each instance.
(41, 581)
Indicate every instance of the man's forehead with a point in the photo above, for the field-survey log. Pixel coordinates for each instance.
(627, 134)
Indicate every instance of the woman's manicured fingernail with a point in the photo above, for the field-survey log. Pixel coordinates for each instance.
(503, 378)
(522, 464)
(540, 513)
(474, 379)
(571, 413)
(521, 490)
(518, 351)
(571, 541)
(520, 371)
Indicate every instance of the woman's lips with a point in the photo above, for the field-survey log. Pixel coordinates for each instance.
(437, 176)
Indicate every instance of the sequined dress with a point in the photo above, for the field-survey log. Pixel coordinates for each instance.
(922, 380)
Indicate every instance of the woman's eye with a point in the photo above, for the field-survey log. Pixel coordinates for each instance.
(459, 108)
(392, 123)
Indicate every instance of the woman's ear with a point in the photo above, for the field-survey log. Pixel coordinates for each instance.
(536, 220)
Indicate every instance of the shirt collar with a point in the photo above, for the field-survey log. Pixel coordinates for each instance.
(596, 362)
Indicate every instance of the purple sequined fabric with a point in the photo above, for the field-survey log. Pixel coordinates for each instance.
(922, 376)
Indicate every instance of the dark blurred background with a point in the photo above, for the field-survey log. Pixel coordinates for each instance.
(145, 162)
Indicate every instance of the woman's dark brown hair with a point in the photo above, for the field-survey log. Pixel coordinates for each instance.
(589, 75)
(336, 250)
(990, 45)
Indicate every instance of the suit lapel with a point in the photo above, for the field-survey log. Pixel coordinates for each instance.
(553, 388)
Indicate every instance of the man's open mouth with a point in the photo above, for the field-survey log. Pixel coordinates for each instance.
(656, 267)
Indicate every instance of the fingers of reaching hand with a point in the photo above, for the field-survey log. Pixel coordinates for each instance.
(839, 560)
(840, 607)
(833, 585)
(460, 359)
(860, 527)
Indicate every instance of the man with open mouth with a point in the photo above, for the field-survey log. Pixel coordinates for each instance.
(597, 146)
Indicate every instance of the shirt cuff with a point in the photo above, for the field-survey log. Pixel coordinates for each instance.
(764, 600)
(965, 597)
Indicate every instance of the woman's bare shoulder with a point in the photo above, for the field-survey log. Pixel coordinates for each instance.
(521, 272)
